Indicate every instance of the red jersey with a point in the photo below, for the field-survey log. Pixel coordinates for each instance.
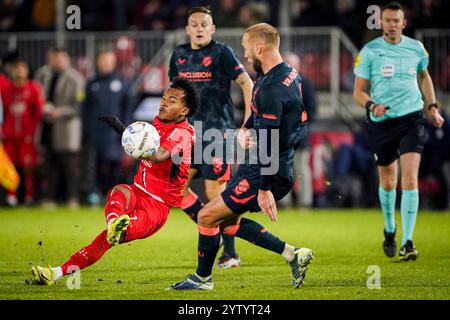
(23, 107)
(165, 180)
(4, 85)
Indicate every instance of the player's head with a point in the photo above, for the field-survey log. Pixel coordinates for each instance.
(19, 70)
(106, 62)
(200, 27)
(181, 100)
(258, 40)
(393, 21)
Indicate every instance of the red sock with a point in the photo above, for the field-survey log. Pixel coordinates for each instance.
(87, 256)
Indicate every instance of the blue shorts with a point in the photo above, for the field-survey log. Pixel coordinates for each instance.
(241, 194)
(218, 169)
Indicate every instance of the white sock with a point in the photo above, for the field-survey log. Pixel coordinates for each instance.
(204, 279)
(57, 273)
(288, 252)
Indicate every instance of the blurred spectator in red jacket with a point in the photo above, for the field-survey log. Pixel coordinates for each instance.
(23, 107)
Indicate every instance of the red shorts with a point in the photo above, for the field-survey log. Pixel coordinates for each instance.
(147, 215)
(22, 154)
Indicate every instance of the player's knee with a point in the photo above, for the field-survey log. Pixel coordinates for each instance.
(389, 182)
(206, 218)
(409, 183)
(125, 189)
(389, 185)
(127, 192)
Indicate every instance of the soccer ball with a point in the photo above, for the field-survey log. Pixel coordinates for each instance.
(140, 139)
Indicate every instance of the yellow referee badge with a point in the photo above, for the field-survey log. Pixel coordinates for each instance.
(358, 60)
(424, 50)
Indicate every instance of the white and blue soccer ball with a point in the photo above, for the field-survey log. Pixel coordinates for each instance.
(140, 139)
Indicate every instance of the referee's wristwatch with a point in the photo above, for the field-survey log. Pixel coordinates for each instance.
(370, 105)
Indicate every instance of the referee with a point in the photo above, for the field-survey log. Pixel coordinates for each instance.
(394, 67)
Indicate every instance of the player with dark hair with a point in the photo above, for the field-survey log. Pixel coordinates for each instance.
(401, 92)
(277, 109)
(139, 210)
(211, 66)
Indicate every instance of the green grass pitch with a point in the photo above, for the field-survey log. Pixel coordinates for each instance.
(346, 243)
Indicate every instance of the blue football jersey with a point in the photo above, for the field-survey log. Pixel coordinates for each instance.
(211, 69)
(277, 103)
(392, 71)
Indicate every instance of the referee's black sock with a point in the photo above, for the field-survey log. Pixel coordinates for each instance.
(208, 245)
(255, 233)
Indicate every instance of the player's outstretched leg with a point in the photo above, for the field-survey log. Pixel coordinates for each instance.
(80, 260)
(216, 210)
(121, 201)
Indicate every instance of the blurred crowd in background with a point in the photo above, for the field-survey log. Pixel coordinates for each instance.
(51, 130)
(108, 15)
(66, 156)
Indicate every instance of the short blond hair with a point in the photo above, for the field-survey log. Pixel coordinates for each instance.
(265, 32)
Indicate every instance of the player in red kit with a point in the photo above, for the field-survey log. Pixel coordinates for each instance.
(139, 210)
(4, 87)
(23, 106)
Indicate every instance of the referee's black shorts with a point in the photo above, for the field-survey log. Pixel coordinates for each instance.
(393, 137)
